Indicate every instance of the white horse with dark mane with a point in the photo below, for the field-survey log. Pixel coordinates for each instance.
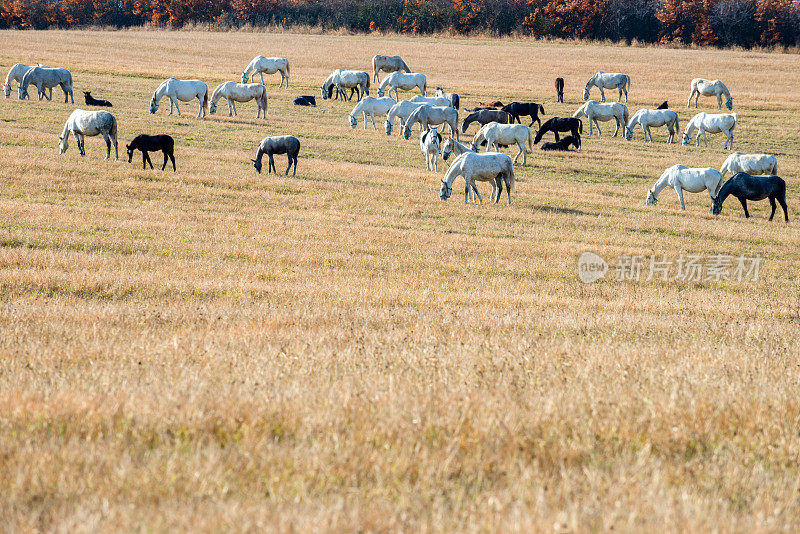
(404, 81)
(608, 80)
(46, 78)
(388, 64)
(402, 110)
(340, 80)
(428, 116)
(701, 86)
(371, 106)
(750, 163)
(81, 123)
(712, 123)
(15, 75)
(432, 100)
(595, 111)
(269, 65)
(181, 90)
(429, 142)
(491, 167)
(682, 178)
(234, 92)
(648, 118)
(496, 134)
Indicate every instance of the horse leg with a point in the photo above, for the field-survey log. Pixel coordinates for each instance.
(108, 144)
(617, 121)
(373, 122)
(235, 114)
(262, 77)
(679, 192)
(172, 157)
(271, 165)
(149, 161)
(598, 127)
(602, 94)
(555, 132)
(744, 205)
(782, 202)
(144, 159)
(774, 205)
(524, 154)
(289, 157)
(164, 166)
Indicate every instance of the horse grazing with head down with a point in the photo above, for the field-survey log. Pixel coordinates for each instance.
(496, 135)
(522, 109)
(560, 89)
(15, 75)
(648, 118)
(428, 116)
(491, 167)
(485, 116)
(355, 80)
(747, 187)
(45, 78)
(277, 144)
(371, 106)
(560, 124)
(682, 178)
(595, 111)
(608, 80)
(81, 123)
(701, 86)
(405, 81)
(234, 92)
(270, 65)
(152, 143)
(181, 90)
(705, 122)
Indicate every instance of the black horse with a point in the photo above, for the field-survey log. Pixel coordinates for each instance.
(747, 187)
(91, 101)
(152, 143)
(485, 116)
(560, 89)
(560, 124)
(305, 100)
(278, 144)
(664, 105)
(519, 109)
(564, 143)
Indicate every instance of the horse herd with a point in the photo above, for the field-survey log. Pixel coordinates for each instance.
(499, 125)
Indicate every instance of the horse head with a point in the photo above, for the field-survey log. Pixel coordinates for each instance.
(63, 143)
(686, 139)
(406, 131)
(380, 92)
(244, 77)
(716, 206)
(23, 92)
(7, 89)
(447, 149)
(445, 191)
(212, 108)
(257, 165)
(130, 153)
(627, 133)
(729, 103)
(586, 92)
(353, 121)
(153, 105)
(651, 198)
(388, 127)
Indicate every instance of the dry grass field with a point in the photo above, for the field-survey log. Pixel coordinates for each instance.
(216, 350)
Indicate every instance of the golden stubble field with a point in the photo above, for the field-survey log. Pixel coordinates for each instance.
(214, 349)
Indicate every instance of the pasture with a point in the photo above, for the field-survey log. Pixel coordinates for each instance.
(213, 349)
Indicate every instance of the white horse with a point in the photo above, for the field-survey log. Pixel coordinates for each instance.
(490, 167)
(451, 146)
(371, 106)
(428, 115)
(608, 80)
(405, 81)
(453, 98)
(595, 111)
(647, 118)
(388, 64)
(240, 92)
(46, 78)
(402, 110)
(496, 134)
(429, 142)
(345, 79)
(82, 123)
(183, 90)
(15, 75)
(750, 163)
(712, 123)
(432, 100)
(682, 178)
(270, 65)
(701, 86)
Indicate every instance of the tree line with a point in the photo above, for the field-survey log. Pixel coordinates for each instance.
(743, 23)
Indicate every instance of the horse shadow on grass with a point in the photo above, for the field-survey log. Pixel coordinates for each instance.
(563, 211)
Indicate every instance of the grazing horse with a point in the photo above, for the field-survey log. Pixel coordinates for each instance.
(388, 64)
(682, 178)
(451, 146)
(608, 80)
(355, 80)
(560, 89)
(277, 144)
(402, 110)
(15, 75)
(560, 124)
(521, 109)
(487, 167)
(305, 100)
(701, 86)
(496, 134)
(91, 101)
(750, 163)
(647, 118)
(270, 65)
(405, 81)
(429, 142)
(563, 144)
(152, 143)
(46, 78)
(428, 115)
(747, 187)
(453, 98)
(595, 111)
(705, 122)
(183, 90)
(234, 92)
(371, 106)
(485, 116)
(81, 123)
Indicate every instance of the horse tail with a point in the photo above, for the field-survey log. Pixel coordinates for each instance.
(511, 178)
(580, 126)
(456, 101)
(530, 140)
(541, 109)
(625, 116)
(205, 101)
(375, 67)
(113, 127)
(627, 82)
(405, 67)
(264, 99)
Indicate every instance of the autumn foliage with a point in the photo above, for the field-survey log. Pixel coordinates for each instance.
(702, 22)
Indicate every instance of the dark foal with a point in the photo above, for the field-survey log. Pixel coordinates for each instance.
(564, 143)
(748, 187)
(278, 144)
(91, 101)
(152, 143)
(485, 116)
(559, 124)
(522, 109)
(305, 100)
(560, 89)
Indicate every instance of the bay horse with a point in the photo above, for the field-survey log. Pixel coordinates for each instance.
(485, 116)
(560, 124)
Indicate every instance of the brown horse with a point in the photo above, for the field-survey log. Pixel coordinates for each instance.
(485, 116)
(560, 89)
